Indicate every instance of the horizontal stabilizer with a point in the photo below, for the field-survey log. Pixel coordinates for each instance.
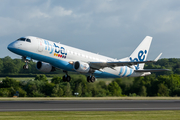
(152, 70)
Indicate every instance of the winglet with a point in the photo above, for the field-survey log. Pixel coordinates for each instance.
(158, 57)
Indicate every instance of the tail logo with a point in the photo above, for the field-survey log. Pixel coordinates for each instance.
(141, 57)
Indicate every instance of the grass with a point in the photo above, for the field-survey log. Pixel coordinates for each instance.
(92, 115)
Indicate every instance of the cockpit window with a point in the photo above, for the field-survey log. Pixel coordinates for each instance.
(24, 39)
(28, 40)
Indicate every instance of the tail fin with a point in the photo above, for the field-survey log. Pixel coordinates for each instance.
(141, 52)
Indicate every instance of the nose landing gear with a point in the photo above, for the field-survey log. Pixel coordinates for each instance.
(27, 59)
(25, 67)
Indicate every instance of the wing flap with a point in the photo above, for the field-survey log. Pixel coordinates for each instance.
(152, 70)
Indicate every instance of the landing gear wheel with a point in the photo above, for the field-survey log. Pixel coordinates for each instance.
(88, 79)
(25, 67)
(91, 79)
(66, 78)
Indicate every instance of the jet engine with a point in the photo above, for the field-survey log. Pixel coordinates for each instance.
(81, 67)
(44, 67)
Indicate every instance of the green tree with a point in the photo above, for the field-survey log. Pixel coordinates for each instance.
(47, 90)
(56, 80)
(143, 91)
(114, 89)
(22, 93)
(57, 91)
(9, 67)
(8, 82)
(102, 84)
(37, 94)
(60, 92)
(67, 90)
(5, 92)
(79, 89)
(163, 90)
(41, 77)
(171, 81)
(1, 66)
(177, 70)
(34, 87)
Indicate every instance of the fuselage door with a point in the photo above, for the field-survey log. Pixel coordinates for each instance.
(40, 45)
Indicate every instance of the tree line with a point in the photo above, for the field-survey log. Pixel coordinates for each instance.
(163, 85)
(157, 84)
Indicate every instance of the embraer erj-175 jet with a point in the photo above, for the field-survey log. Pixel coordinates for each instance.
(51, 55)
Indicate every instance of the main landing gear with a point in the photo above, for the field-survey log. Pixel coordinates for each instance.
(66, 78)
(91, 79)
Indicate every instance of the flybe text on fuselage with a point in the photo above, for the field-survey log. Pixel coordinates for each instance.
(56, 49)
(141, 57)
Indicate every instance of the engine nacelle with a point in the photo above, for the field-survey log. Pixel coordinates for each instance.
(44, 67)
(81, 67)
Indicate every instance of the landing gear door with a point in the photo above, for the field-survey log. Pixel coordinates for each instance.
(40, 45)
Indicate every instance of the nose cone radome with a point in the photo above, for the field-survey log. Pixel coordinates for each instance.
(11, 46)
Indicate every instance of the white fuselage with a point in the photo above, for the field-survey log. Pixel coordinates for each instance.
(59, 56)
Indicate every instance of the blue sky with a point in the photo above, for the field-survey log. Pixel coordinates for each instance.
(109, 27)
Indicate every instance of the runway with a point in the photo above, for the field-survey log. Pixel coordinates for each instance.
(90, 105)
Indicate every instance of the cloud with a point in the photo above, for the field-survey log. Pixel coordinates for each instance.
(38, 14)
(56, 11)
(94, 25)
(60, 11)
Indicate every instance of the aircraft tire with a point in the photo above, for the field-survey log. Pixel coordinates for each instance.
(88, 79)
(92, 79)
(68, 78)
(64, 78)
(25, 67)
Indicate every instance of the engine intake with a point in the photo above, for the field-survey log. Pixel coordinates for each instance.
(45, 67)
(81, 67)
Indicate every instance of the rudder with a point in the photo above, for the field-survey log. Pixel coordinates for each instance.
(141, 52)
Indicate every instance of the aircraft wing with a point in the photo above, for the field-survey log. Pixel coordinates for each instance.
(100, 65)
(152, 70)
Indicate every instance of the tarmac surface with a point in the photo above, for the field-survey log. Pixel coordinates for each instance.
(90, 105)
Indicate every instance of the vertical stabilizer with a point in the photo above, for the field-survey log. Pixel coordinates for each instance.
(141, 52)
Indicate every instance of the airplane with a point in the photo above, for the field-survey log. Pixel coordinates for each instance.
(51, 56)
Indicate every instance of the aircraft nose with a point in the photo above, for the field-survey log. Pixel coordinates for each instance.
(11, 46)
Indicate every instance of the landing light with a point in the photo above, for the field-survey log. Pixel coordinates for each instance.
(71, 62)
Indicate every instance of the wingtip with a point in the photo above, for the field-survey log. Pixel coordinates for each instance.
(149, 37)
(158, 57)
